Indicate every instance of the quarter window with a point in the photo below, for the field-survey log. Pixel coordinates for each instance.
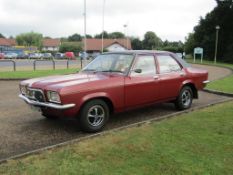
(147, 65)
(167, 64)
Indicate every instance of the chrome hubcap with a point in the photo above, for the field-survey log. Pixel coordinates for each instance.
(186, 98)
(95, 115)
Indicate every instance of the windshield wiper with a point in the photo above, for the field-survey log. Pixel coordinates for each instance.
(91, 70)
(112, 71)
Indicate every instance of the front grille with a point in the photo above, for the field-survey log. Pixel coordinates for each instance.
(39, 96)
(36, 94)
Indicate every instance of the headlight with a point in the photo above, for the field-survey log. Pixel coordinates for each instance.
(53, 96)
(23, 89)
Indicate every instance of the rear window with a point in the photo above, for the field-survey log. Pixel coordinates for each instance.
(167, 64)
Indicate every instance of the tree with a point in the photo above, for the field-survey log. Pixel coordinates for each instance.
(226, 3)
(205, 33)
(151, 41)
(75, 37)
(70, 47)
(98, 36)
(136, 43)
(115, 35)
(2, 36)
(190, 43)
(30, 39)
(88, 36)
(174, 46)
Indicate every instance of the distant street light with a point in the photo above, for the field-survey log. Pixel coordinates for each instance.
(85, 37)
(103, 26)
(125, 26)
(216, 44)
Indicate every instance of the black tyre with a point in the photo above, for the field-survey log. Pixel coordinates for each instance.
(94, 115)
(185, 98)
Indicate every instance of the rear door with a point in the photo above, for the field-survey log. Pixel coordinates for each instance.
(142, 88)
(171, 76)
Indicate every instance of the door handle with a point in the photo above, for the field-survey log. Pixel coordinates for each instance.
(156, 77)
(182, 74)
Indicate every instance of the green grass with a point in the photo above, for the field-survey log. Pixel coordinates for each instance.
(196, 143)
(33, 74)
(198, 61)
(223, 85)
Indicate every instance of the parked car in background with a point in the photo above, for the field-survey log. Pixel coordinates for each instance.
(59, 56)
(115, 82)
(2, 56)
(35, 56)
(47, 56)
(70, 55)
(22, 56)
(10, 55)
(94, 55)
(84, 55)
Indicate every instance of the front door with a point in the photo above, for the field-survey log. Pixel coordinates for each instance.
(141, 86)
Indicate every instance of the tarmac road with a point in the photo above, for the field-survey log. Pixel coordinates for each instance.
(22, 129)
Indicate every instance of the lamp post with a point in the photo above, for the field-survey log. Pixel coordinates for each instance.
(103, 26)
(85, 38)
(216, 44)
(125, 26)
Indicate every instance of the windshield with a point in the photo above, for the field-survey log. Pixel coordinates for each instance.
(110, 63)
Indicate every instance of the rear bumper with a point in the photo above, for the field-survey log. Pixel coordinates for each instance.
(206, 82)
(45, 104)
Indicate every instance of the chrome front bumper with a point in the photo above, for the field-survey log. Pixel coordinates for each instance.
(45, 104)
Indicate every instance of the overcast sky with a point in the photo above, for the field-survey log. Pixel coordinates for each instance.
(169, 19)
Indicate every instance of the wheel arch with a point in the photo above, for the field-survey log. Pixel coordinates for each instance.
(192, 86)
(101, 96)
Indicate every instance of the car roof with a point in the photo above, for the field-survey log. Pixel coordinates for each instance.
(181, 61)
(139, 52)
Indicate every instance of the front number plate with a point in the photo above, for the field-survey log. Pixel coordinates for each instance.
(35, 108)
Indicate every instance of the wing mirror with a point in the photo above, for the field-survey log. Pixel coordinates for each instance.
(138, 71)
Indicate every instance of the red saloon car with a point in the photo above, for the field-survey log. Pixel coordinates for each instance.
(114, 82)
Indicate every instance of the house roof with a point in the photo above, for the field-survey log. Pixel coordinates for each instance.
(7, 42)
(96, 44)
(51, 42)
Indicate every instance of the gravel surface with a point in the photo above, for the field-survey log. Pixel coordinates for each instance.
(22, 129)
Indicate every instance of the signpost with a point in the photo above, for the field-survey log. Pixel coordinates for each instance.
(198, 50)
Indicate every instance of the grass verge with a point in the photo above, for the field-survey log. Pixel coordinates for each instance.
(196, 143)
(34, 74)
(223, 85)
(198, 61)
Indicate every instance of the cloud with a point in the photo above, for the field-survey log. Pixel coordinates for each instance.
(56, 18)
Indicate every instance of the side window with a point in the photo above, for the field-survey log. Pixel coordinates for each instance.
(167, 64)
(146, 64)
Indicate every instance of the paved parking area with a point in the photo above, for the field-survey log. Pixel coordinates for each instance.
(22, 129)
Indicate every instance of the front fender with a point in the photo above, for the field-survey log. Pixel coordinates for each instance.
(88, 97)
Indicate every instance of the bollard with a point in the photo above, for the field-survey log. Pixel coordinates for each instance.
(14, 65)
(11, 61)
(34, 65)
(53, 64)
(67, 64)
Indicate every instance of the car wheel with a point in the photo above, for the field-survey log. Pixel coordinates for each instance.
(185, 98)
(94, 116)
